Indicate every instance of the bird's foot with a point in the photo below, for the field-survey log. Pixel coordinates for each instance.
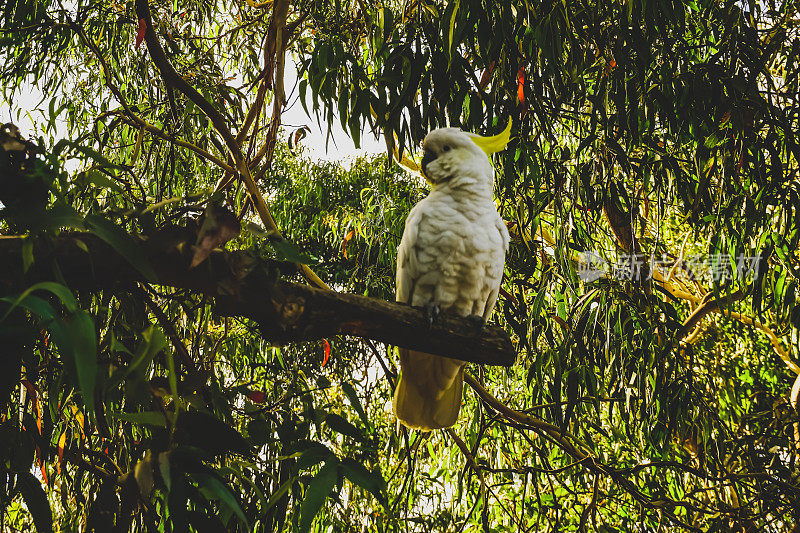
(432, 312)
(477, 322)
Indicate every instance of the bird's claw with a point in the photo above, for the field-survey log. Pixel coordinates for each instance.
(477, 322)
(432, 312)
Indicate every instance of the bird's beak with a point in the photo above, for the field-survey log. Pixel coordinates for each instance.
(427, 157)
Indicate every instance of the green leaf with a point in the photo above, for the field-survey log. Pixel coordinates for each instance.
(13, 337)
(278, 494)
(538, 302)
(96, 156)
(288, 251)
(27, 254)
(314, 455)
(572, 395)
(210, 434)
(451, 31)
(35, 305)
(341, 425)
(116, 346)
(36, 500)
(63, 294)
(259, 431)
(153, 342)
(173, 384)
(355, 402)
(102, 181)
(58, 216)
(148, 418)
(316, 494)
(75, 338)
(122, 243)
(165, 468)
(218, 490)
(367, 480)
(62, 216)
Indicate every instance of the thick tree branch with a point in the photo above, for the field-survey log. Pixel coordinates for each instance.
(706, 306)
(242, 285)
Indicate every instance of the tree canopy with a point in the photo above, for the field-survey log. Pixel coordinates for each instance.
(177, 349)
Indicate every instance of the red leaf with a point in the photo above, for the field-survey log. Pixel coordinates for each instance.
(508, 296)
(41, 466)
(610, 65)
(486, 76)
(29, 386)
(521, 85)
(140, 32)
(256, 396)
(297, 136)
(327, 351)
(346, 241)
(35, 399)
(561, 322)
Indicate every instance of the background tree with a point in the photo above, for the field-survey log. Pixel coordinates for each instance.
(641, 129)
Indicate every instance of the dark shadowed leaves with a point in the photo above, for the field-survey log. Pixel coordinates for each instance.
(371, 481)
(36, 500)
(339, 424)
(75, 338)
(209, 433)
(122, 243)
(213, 487)
(316, 493)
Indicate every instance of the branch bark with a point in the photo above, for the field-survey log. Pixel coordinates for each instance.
(707, 306)
(245, 286)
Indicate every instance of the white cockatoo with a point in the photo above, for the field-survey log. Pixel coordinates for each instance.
(450, 259)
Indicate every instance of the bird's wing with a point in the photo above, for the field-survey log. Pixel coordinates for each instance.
(407, 264)
(428, 392)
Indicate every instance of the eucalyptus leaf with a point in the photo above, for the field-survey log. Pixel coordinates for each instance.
(36, 501)
(316, 493)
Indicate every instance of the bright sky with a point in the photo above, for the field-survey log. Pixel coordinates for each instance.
(340, 145)
(26, 112)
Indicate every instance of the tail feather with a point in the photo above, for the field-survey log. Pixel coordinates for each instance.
(428, 393)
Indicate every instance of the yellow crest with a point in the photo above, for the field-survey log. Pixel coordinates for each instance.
(495, 143)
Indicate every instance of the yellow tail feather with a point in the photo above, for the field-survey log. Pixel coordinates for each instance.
(428, 393)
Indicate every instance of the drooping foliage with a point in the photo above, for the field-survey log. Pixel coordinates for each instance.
(656, 138)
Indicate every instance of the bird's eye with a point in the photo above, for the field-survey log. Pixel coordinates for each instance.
(445, 148)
